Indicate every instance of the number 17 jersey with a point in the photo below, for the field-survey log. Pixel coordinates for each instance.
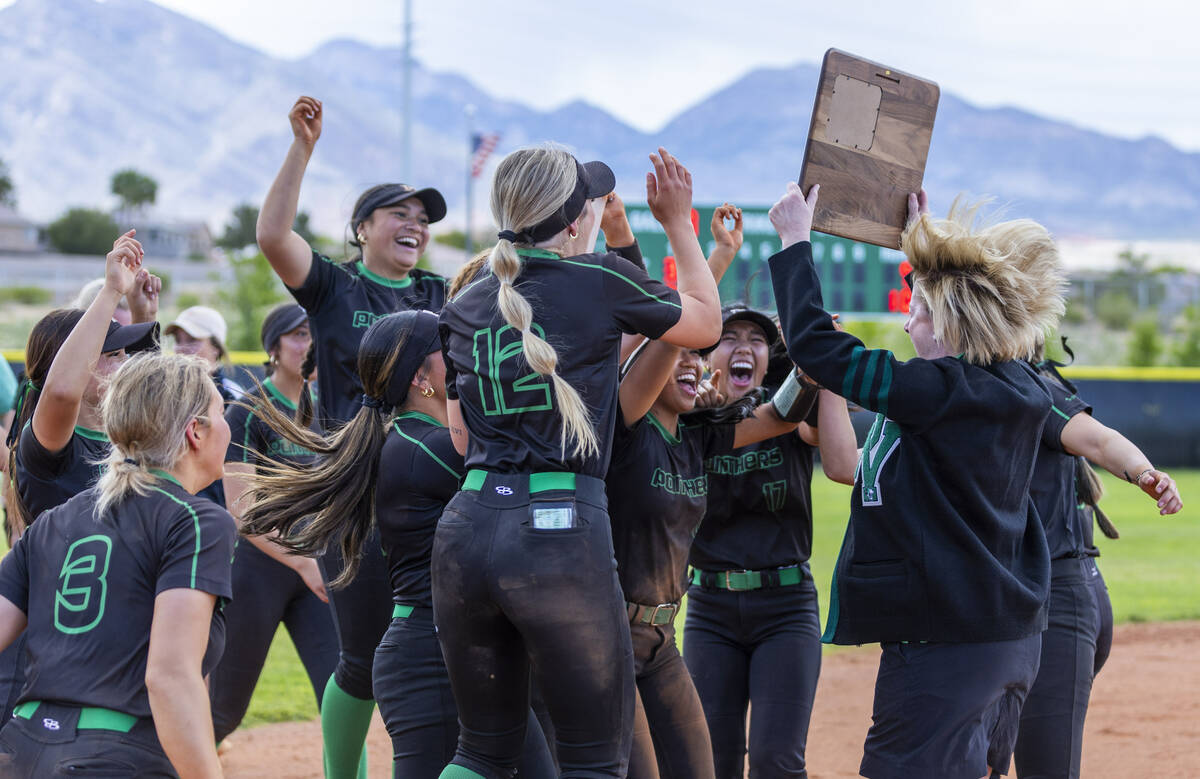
(581, 306)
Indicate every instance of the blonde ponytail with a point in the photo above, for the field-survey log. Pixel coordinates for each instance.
(146, 411)
(529, 186)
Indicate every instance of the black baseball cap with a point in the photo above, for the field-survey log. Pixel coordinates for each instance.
(739, 312)
(131, 338)
(593, 179)
(386, 195)
(284, 318)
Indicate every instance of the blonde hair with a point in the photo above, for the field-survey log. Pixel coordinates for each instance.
(993, 291)
(529, 186)
(146, 411)
(468, 273)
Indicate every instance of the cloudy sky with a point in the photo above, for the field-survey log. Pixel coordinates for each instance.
(1124, 68)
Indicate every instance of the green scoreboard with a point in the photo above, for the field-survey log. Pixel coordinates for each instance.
(856, 278)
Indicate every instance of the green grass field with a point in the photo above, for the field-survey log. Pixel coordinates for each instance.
(1153, 573)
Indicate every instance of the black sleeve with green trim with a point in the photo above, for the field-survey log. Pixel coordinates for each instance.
(197, 552)
(242, 440)
(632, 252)
(14, 572)
(320, 285)
(639, 304)
(871, 378)
(451, 371)
(1066, 404)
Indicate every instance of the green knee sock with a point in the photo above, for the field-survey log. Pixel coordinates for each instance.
(453, 771)
(344, 724)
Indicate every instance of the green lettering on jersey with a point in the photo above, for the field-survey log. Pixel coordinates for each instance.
(530, 392)
(775, 493)
(674, 484)
(83, 589)
(738, 464)
(881, 441)
(364, 319)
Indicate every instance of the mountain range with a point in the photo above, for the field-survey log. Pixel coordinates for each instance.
(91, 87)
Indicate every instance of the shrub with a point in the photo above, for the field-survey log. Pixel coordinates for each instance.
(1115, 310)
(83, 231)
(1146, 343)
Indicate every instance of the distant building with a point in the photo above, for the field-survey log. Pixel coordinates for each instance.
(166, 240)
(17, 234)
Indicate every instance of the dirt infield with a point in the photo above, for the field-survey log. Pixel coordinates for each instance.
(1144, 720)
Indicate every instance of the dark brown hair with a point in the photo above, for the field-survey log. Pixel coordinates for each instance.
(333, 499)
(46, 338)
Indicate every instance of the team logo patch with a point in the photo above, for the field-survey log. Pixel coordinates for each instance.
(50, 724)
(502, 490)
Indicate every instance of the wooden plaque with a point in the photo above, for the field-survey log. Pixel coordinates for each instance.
(867, 147)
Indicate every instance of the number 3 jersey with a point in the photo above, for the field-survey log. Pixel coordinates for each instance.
(581, 306)
(87, 587)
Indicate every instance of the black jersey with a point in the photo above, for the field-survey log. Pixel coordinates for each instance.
(581, 305)
(88, 586)
(1068, 526)
(419, 472)
(944, 542)
(657, 492)
(759, 507)
(250, 436)
(47, 479)
(342, 301)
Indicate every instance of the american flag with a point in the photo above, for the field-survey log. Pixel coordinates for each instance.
(482, 145)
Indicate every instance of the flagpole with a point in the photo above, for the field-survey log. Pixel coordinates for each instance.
(470, 111)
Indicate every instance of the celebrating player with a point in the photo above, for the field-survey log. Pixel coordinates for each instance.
(1076, 642)
(117, 591)
(522, 561)
(944, 560)
(269, 586)
(392, 465)
(390, 227)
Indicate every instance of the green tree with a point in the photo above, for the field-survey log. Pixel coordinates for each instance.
(240, 229)
(255, 289)
(1187, 349)
(134, 189)
(1146, 343)
(83, 231)
(1115, 309)
(8, 191)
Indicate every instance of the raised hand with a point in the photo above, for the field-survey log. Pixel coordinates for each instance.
(707, 394)
(305, 117)
(669, 189)
(615, 223)
(730, 239)
(143, 297)
(792, 216)
(122, 264)
(918, 205)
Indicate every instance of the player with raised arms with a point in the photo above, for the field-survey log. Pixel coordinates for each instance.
(119, 591)
(523, 571)
(944, 560)
(390, 227)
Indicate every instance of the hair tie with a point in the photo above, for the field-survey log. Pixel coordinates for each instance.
(509, 235)
(131, 461)
(371, 402)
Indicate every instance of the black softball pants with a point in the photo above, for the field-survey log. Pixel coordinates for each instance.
(50, 742)
(265, 594)
(760, 647)
(412, 689)
(670, 737)
(362, 611)
(510, 599)
(1074, 647)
